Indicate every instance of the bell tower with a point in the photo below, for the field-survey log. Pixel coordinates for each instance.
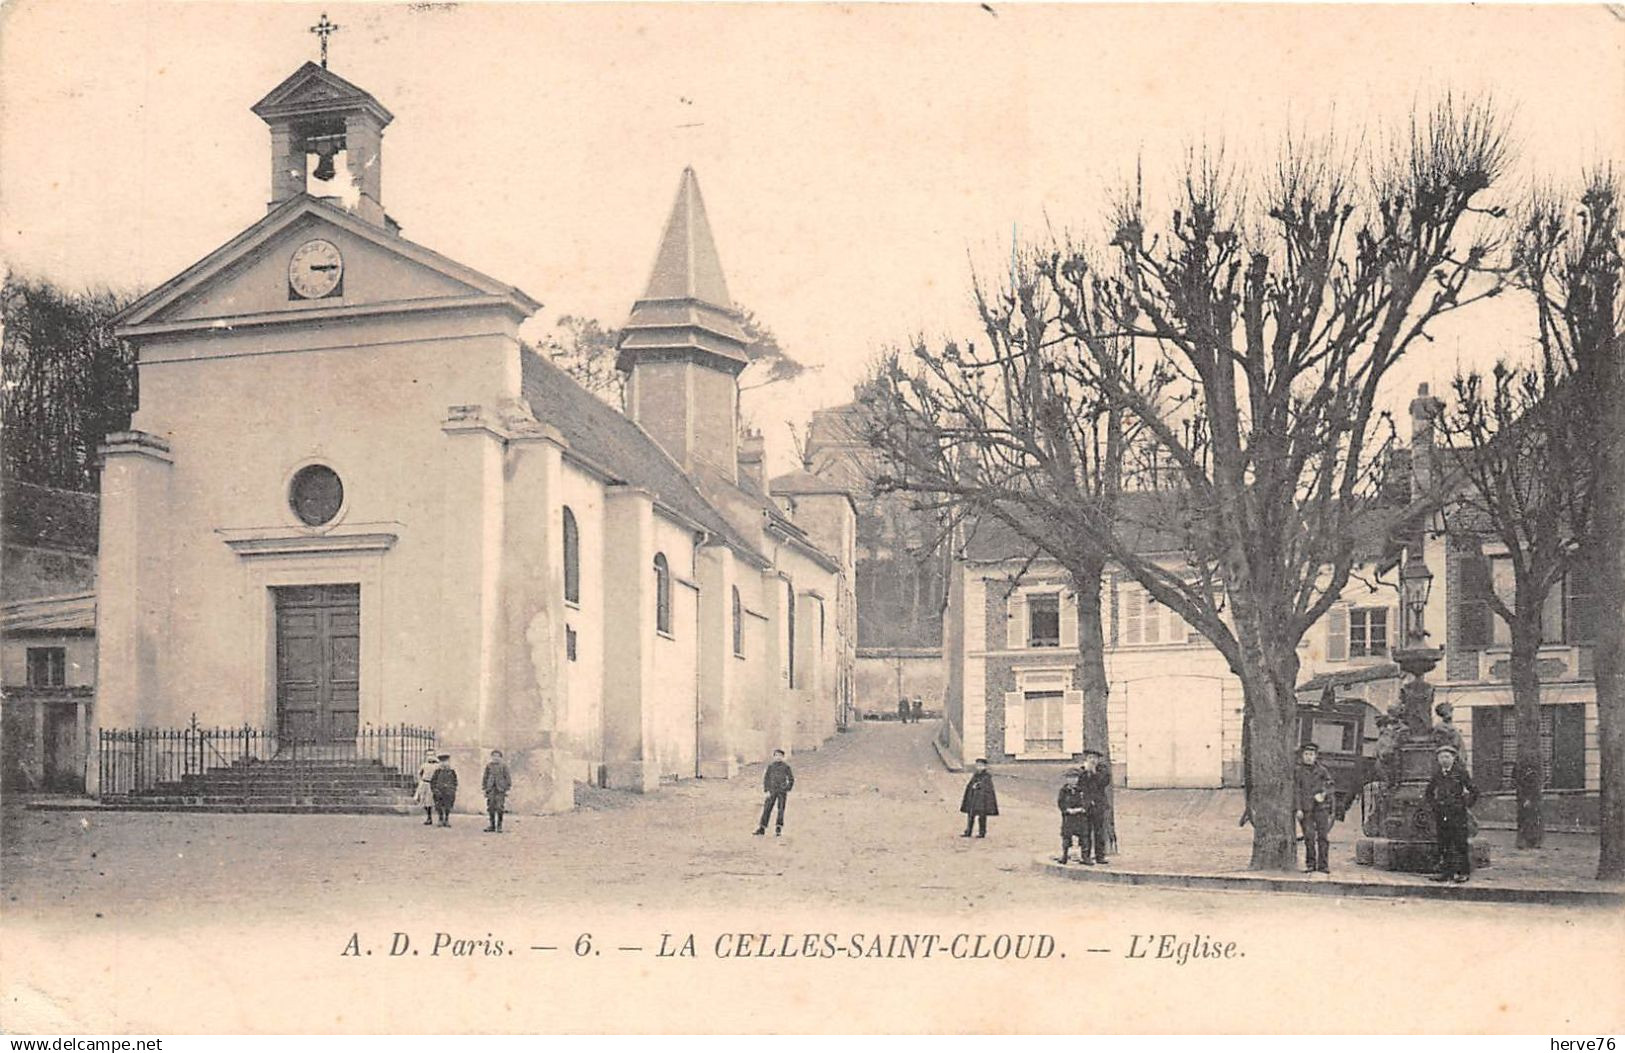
(683, 347)
(317, 114)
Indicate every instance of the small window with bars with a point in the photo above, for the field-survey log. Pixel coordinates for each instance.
(47, 666)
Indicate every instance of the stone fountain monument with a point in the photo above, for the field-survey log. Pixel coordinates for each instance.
(1398, 825)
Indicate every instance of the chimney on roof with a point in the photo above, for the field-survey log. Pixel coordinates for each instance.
(752, 458)
(1424, 411)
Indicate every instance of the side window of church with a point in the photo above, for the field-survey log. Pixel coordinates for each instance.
(662, 594)
(572, 559)
(47, 666)
(738, 624)
(1562, 747)
(1043, 619)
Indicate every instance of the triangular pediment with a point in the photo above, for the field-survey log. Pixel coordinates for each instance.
(246, 281)
(314, 89)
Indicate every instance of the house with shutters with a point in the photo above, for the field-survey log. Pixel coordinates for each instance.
(1174, 712)
(1174, 715)
(354, 500)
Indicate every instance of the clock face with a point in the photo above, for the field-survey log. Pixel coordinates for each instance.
(315, 269)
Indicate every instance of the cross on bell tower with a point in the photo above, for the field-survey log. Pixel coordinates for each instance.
(324, 29)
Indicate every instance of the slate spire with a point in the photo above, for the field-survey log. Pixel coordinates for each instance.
(685, 310)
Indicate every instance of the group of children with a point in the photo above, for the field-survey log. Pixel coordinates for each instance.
(437, 789)
(1082, 802)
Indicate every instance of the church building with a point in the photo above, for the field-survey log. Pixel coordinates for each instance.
(353, 498)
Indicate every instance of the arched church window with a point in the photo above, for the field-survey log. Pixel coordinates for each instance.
(662, 594)
(739, 624)
(790, 631)
(572, 558)
(316, 494)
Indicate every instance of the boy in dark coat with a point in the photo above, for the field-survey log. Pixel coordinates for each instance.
(979, 801)
(1073, 822)
(1314, 796)
(1092, 783)
(777, 782)
(495, 784)
(1450, 793)
(444, 787)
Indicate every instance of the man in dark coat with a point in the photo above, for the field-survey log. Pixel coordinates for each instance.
(444, 787)
(979, 801)
(1073, 823)
(918, 709)
(1450, 794)
(1314, 797)
(1093, 780)
(777, 782)
(902, 710)
(496, 784)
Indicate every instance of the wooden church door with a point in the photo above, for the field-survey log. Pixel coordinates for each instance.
(318, 660)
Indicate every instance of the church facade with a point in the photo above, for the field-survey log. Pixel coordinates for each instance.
(353, 497)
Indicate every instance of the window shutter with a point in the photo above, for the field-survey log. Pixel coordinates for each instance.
(1486, 766)
(1473, 628)
(1072, 722)
(1133, 614)
(1015, 724)
(1016, 623)
(1337, 634)
(1069, 618)
(1568, 747)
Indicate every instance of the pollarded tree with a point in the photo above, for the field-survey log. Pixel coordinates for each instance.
(1568, 256)
(1012, 432)
(1283, 320)
(1520, 476)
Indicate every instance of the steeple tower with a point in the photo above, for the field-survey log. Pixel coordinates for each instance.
(683, 347)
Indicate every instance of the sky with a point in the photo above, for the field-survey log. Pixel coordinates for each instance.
(857, 161)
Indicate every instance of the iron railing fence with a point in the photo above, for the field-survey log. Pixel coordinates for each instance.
(245, 759)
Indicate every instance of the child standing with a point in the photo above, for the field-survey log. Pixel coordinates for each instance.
(444, 787)
(1073, 821)
(979, 801)
(496, 784)
(425, 792)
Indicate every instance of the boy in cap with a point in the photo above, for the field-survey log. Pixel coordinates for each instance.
(979, 801)
(496, 783)
(1314, 795)
(444, 787)
(1073, 822)
(1450, 793)
(1092, 783)
(425, 792)
(777, 782)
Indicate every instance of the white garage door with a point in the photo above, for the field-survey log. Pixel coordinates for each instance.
(1172, 732)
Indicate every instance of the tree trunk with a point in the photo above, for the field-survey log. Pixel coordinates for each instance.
(1527, 774)
(1609, 536)
(1086, 583)
(1270, 706)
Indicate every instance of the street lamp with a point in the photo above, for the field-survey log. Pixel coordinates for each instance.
(1415, 584)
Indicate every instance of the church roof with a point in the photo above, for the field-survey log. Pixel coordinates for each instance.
(612, 442)
(686, 307)
(313, 89)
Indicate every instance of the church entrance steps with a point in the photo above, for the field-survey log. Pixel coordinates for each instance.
(254, 770)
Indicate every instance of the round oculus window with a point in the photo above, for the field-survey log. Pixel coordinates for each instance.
(316, 494)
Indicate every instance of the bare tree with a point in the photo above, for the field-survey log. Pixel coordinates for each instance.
(1240, 347)
(1012, 433)
(1521, 477)
(1569, 258)
(68, 381)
